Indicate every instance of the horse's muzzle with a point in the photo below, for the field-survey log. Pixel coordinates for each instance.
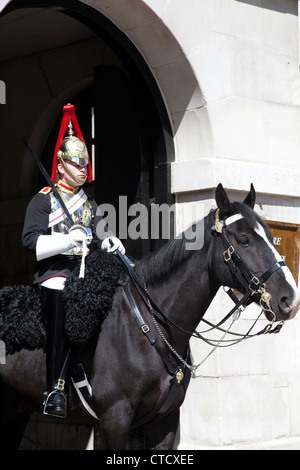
(295, 308)
(287, 308)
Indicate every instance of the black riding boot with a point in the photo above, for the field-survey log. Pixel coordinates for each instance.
(56, 354)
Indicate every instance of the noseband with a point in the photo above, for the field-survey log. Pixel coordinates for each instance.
(250, 284)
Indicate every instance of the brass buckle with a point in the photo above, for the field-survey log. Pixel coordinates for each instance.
(60, 384)
(145, 328)
(255, 281)
(227, 253)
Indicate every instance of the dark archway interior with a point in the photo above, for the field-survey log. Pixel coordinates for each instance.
(133, 142)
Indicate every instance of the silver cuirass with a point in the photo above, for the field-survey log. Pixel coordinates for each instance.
(81, 213)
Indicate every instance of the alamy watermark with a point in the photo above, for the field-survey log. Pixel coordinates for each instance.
(2, 92)
(2, 352)
(156, 222)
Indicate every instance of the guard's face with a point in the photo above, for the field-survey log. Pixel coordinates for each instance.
(74, 169)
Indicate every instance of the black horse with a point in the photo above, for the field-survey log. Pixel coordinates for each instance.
(140, 375)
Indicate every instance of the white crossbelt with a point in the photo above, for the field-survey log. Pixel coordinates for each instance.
(72, 205)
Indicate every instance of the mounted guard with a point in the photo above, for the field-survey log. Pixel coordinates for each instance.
(151, 320)
(59, 225)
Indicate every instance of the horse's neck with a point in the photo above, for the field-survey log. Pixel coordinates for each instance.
(185, 295)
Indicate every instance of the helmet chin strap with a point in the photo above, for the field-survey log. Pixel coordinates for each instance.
(69, 173)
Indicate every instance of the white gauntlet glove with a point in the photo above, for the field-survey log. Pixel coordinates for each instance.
(111, 244)
(51, 245)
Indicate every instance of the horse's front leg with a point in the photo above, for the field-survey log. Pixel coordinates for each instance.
(113, 430)
(163, 435)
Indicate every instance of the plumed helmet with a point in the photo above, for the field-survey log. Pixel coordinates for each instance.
(71, 147)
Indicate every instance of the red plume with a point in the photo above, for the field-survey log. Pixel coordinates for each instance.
(68, 114)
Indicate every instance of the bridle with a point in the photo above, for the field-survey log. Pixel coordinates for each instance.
(249, 282)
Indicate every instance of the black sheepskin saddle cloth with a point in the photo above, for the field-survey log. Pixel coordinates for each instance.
(87, 301)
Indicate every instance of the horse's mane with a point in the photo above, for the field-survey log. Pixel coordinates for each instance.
(157, 266)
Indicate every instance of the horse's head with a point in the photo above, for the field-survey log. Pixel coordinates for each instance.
(250, 260)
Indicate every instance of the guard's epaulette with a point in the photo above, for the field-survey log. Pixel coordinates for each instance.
(45, 190)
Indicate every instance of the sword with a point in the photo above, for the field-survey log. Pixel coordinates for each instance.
(50, 183)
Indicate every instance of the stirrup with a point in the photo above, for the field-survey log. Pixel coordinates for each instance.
(60, 410)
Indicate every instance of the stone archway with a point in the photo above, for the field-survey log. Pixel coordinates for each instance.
(157, 57)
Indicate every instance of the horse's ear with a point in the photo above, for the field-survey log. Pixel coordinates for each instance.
(222, 200)
(250, 198)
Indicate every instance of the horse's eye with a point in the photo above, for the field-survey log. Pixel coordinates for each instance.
(244, 241)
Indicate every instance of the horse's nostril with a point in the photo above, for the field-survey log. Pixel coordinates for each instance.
(285, 305)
